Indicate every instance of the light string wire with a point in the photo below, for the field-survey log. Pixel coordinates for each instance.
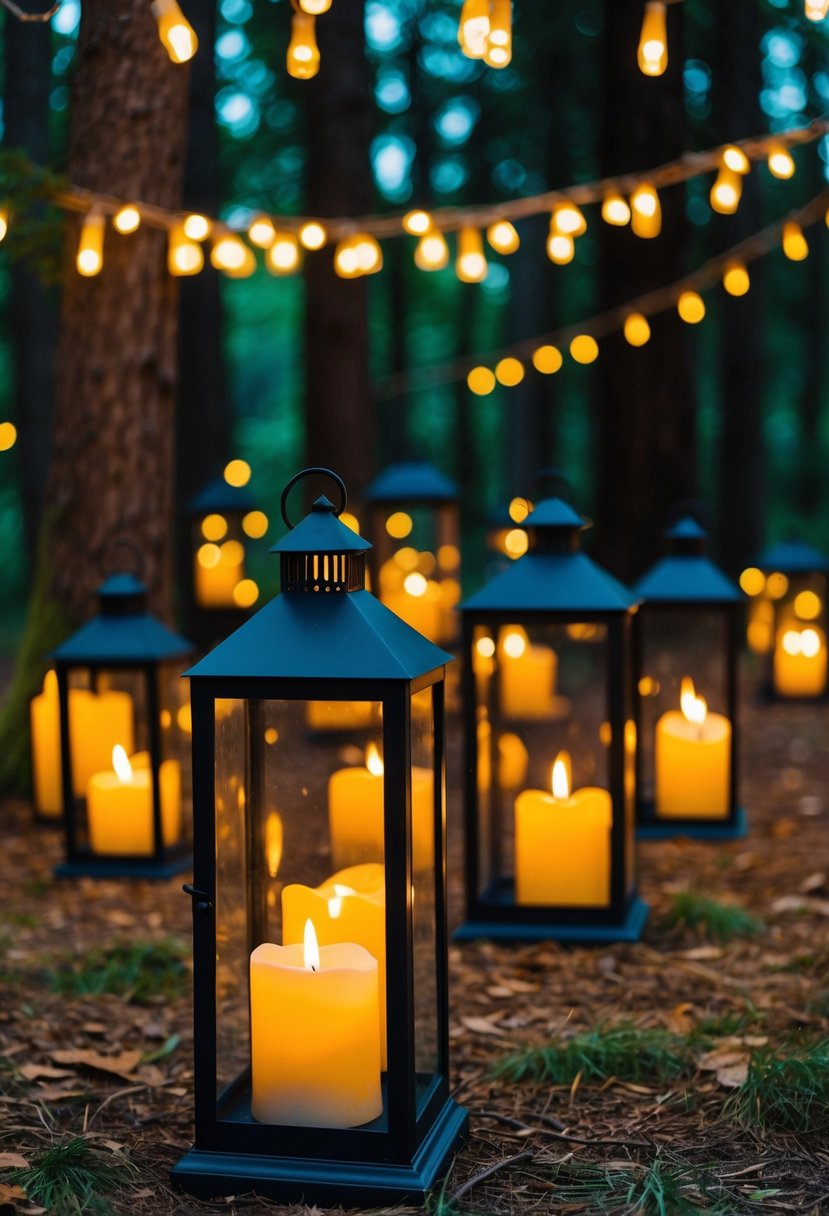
(448, 219)
(610, 321)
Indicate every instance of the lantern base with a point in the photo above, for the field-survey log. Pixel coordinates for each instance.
(207, 1174)
(124, 867)
(627, 930)
(650, 828)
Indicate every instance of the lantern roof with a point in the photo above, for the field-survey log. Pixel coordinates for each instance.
(321, 532)
(553, 575)
(123, 631)
(686, 574)
(217, 496)
(411, 481)
(792, 556)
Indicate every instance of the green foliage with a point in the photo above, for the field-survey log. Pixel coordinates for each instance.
(72, 1178)
(720, 921)
(661, 1188)
(37, 225)
(785, 1092)
(628, 1052)
(143, 972)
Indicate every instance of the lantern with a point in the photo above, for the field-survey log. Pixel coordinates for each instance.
(550, 745)
(790, 582)
(320, 1078)
(414, 528)
(124, 741)
(223, 517)
(686, 640)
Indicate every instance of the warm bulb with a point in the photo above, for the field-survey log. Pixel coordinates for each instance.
(615, 210)
(175, 31)
(473, 28)
(547, 360)
(503, 237)
(312, 235)
(90, 255)
(303, 58)
(736, 280)
(734, 158)
(509, 372)
(126, 220)
(652, 55)
(498, 52)
(315, 7)
(726, 191)
(358, 255)
(567, 220)
(184, 256)
(470, 264)
(780, 162)
(645, 211)
(4, 222)
(480, 381)
(637, 330)
(795, 245)
(284, 255)
(416, 223)
(231, 255)
(816, 10)
(560, 249)
(196, 227)
(584, 348)
(691, 307)
(432, 252)
(262, 232)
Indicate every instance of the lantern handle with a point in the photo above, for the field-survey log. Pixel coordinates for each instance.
(283, 505)
(111, 565)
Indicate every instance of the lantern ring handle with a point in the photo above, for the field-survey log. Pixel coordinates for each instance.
(111, 565)
(283, 505)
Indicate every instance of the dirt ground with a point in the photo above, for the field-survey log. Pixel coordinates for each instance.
(120, 1073)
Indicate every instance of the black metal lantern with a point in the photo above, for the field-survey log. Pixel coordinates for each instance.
(223, 518)
(415, 533)
(320, 1078)
(550, 745)
(124, 741)
(686, 641)
(788, 619)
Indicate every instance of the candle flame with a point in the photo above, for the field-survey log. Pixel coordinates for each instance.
(121, 764)
(694, 708)
(311, 947)
(374, 763)
(561, 776)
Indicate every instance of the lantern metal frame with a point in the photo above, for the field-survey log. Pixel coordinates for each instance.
(554, 583)
(686, 581)
(122, 638)
(324, 638)
(217, 497)
(801, 563)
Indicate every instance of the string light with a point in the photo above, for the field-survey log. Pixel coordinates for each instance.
(284, 255)
(816, 10)
(547, 360)
(473, 28)
(417, 223)
(196, 227)
(315, 7)
(358, 255)
(127, 219)
(736, 280)
(726, 191)
(584, 348)
(312, 235)
(509, 371)
(470, 264)
(262, 232)
(4, 222)
(568, 220)
(175, 31)
(498, 53)
(780, 162)
(8, 436)
(560, 249)
(481, 381)
(691, 307)
(503, 237)
(652, 54)
(90, 256)
(432, 252)
(734, 158)
(615, 210)
(645, 211)
(303, 57)
(795, 245)
(237, 473)
(231, 255)
(184, 256)
(637, 331)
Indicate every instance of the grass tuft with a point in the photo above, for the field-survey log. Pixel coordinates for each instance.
(623, 1051)
(143, 972)
(711, 917)
(785, 1092)
(661, 1188)
(72, 1178)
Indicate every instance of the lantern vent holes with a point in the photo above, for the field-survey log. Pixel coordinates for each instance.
(323, 571)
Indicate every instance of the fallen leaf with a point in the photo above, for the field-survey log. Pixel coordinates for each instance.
(783, 828)
(730, 1066)
(13, 1161)
(122, 1065)
(681, 1020)
(801, 903)
(10, 1193)
(576, 1083)
(481, 1026)
(813, 882)
(701, 953)
(32, 1071)
(733, 1075)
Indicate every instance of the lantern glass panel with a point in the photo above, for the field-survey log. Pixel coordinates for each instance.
(418, 563)
(542, 693)
(218, 558)
(799, 659)
(175, 752)
(678, 645)
(424, 879)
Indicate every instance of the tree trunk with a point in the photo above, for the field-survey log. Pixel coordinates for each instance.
(646, 424)
(112, 464)
(32, 308)
(741, 507)
(339, 414)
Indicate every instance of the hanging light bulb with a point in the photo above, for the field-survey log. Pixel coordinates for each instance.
(734, 158)
(262, 232)
(184, 256)
(284, 255)
(637, 330)
(312, 235)
(735, 279)
(358, 255)
(196, 227)
(816, 10)
(652, 55)
(561, 248)
(315, 7)
(231, 255)
(503, 237)
(645, 211)
(615, 210)
(498, 53)
(568, 220)
(4, 222)
(432, 252)
(90, 255)
(416, 223)
(303, 59)
(473, 28)
(726, 191)
(470, 264)
(795, 245)
(691, 307)
(175, 31)
(780, 162)
(127, 219)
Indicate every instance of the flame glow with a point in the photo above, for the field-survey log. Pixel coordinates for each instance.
(374, 763)
(121, 764)
(694, 708)
(561, 776)
(335, 903)
(515, 644)
(273, 843)
(311, 957)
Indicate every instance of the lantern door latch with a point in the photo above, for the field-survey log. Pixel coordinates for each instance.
(203, 902)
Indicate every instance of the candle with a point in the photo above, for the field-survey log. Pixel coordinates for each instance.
(119, 806)
(340, 715)
(97, 722)
(350, 906)
(800, 662)
(355, 813)
(315, 1034)
(693, 760)
(528, 677)
(217, 571)
(44, 719)
(418, 603)
(562, 843)
(513, 759)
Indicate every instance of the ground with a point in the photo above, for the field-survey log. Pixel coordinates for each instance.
(658, 1127)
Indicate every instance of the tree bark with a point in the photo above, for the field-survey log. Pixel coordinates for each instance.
(339, 413)
(112, 464)
(32, 309)
(646, 411)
